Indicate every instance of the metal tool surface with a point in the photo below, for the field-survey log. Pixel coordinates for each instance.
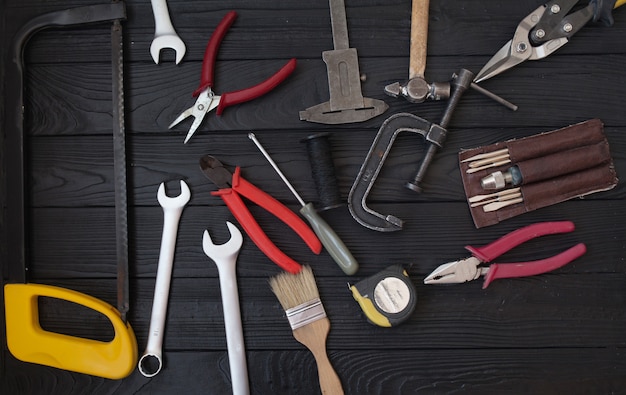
(434, 137)
(545, 30)
(207, 100)
(26, 339)
(151, 361)
(331, 241)
(225, 257)
(469, 269)
(232, 187)
(373, 163)
(346, 103)
(416, 89)
(165, 35)
(119, 168)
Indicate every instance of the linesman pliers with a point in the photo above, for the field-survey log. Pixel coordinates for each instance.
(232, 187)
(468, 269)
(207, 99)
(545, 30)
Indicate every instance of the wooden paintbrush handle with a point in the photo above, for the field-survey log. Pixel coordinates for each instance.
(313, 336)
(419, 38)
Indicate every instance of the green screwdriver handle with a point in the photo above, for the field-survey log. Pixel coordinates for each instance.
(335, 247)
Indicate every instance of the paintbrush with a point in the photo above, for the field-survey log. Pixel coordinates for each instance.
(298, 295)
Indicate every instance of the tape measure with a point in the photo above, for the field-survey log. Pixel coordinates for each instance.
(387, 298)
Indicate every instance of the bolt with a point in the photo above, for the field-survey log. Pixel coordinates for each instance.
(567, 27)
(555, 9)
(540, 33)
(521, 47)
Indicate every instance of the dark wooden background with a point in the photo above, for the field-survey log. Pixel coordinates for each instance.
(562, 332)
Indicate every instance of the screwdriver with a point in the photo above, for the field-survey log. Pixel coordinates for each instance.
(335, 247)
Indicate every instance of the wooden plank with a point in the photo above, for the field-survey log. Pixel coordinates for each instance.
(78, 171)
(60, 250)
(302, 30)
(76, 100)
(557, 332)
(505, 315)
(505, 371)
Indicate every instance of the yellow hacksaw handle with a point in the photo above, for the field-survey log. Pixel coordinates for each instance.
(29, 342)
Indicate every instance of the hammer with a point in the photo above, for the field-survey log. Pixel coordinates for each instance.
(416, 89)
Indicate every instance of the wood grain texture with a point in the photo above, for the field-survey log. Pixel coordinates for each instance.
(560, 332)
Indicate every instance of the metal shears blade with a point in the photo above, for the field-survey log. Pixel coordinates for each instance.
(519, 49)
(206, 102)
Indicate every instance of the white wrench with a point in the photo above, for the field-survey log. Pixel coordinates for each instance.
(164, 34)
(151, 361)
(225, 257)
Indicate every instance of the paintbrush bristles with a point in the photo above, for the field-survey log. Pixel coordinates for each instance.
(295, 289)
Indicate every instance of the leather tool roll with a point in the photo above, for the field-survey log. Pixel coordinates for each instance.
(556, 166)
(564, 162)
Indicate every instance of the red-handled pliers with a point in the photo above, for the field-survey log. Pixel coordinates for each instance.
(232, 186)
(468, 269)
(207, 99)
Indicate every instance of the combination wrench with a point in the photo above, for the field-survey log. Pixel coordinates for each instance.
(225, 257)
(151, 361)
(164, 34)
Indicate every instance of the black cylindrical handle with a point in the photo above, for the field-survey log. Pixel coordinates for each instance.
(323, 170)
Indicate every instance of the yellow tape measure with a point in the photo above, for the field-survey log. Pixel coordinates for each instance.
(387, 298)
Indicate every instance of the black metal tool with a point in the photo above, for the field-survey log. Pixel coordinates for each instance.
(434, 135)
(545, 30)
(26, 339)
(438, 133)
(346, 103)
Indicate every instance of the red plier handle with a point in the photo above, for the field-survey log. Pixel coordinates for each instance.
(243, 95)
(232, 199)
(517, 237)
(524, 269)
(509, 241)
(210, 53)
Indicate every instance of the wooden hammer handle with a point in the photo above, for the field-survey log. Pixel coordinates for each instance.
(419, 38)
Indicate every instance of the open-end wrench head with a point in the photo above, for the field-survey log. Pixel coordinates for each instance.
(167, 41)
(174, 202)
(228, 250)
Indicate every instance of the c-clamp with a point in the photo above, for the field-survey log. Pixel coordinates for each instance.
(434, 135)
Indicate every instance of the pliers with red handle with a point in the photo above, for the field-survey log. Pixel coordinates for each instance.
(207, 99)
(468, 269)
(232, 187)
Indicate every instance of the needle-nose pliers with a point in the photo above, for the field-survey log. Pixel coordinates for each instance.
(207, 99)
(468, 269)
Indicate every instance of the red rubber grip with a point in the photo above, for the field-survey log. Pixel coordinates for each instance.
(246, 220)
(524, 269)
(240, 96)
(210, 53)
(517, 237)
(245, 188)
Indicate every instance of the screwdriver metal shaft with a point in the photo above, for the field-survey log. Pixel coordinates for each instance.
(335, 247)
